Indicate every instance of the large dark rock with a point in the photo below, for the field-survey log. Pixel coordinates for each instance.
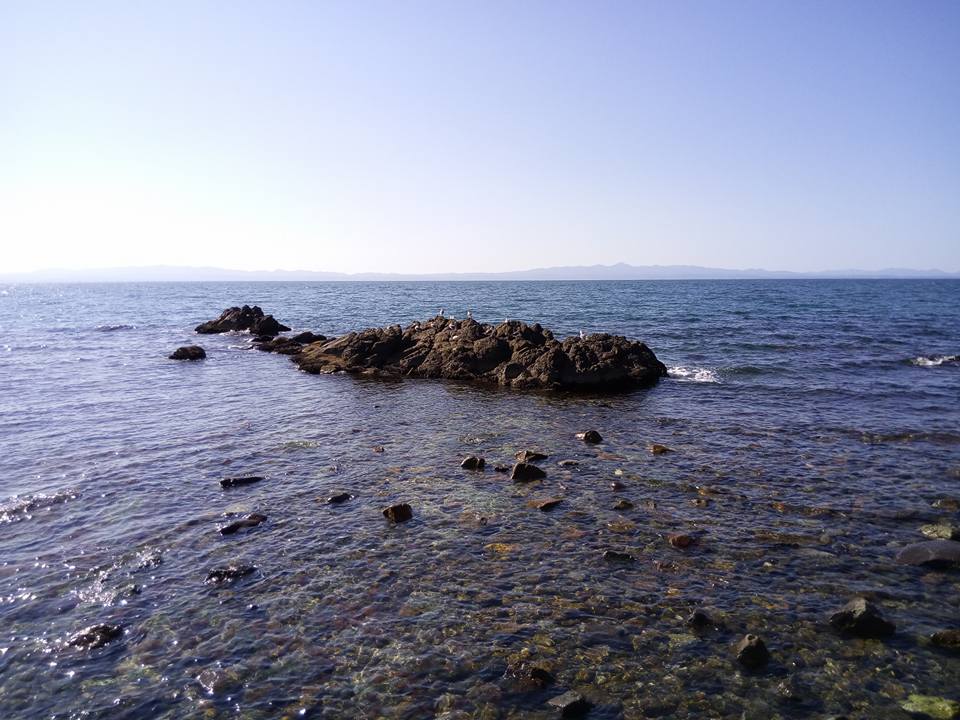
(398, 513)
(229, 573)
(935, 553)
(752, 652)
(189, 352)
(512, 354)
(95, 636)
(525, 472)
(861, 618)
(231, 482)
(249, 521)
(246, 318)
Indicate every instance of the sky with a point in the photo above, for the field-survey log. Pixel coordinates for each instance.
(470, 135)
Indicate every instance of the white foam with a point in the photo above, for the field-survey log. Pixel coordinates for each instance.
(934, 360)
(702, 375)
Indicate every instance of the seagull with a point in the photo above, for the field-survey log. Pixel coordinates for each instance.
(582, 336)
(469, 314)
(441, 312)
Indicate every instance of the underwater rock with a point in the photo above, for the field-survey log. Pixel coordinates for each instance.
(752, 653)
(590, 436)
(947, 639)
(861, 618)
(525, 472)
(189, 352)
(529, 674)
(472, 462)
(935, 553)
(501, 468)
(250, 521)
(699, 621)
(568, 463)
(530, 456)
(946, 503)
(398, 513)
(682, 540)
(231, 482)
(571, 704)
(512, 354)
(623, 505)
(932, 707)
(229, 573)
(549, 504)
(614, 556)
(95, 636)
(658, 449)
(246, 318)
(941, 531)
(339, 498)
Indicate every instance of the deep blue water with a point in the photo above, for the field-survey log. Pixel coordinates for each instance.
(814, 423)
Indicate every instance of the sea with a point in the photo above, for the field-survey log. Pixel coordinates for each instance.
(813, 428)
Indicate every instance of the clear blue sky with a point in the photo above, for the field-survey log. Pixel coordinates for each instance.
(448, 136)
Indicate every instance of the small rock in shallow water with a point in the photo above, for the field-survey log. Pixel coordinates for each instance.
(614, 556)
(398, 513)
(947, 639)
(528, 674)
(501, 468)
(682, 540)
(623, 505)
(189, 352)
(935, 553)
(571, 704)
(941, 531)
(95, 636)
(700, 621)
(472, 462)
(590, 436)
(525, 472)
(548, 504)
(339, 498)
(947, 504)
(752, 653)
(250, 521)
(658, 449)
(229, 573)
(530, 456)
(930, 706)
(239, 481)
(861, 618)
(378, 449)
(617, 485)
(568, 463)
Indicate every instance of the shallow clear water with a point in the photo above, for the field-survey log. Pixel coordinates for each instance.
(813, 425)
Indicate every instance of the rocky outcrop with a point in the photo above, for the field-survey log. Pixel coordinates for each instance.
(861, 618)
(243, 319)
(511, 354)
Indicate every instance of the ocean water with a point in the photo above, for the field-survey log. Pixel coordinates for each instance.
(815, 426)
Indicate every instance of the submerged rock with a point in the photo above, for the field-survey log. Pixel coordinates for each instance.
(525, 472)
(935, 553)
(549, 504)
(658, 449)
(571, 704)
(398, 513)
(930, 706)
(590, 436)
(189, 352)
(339, 498)
(861, 618)
(250, 521)
(246, 318)
(229, 573)
(501, 468)
(941, 531)
(526, 673)
(530, 456)
(614, 556)
(512, 354)
(472, 462)
(947, 639)
(700, 621)
(231, 482)
(623, 505)
(682, 540)
(95, 636)
(752, 653)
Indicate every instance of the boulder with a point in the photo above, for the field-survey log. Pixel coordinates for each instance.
(229, 573)
(232, 482)
(95, 636)
(861, 618)
(590, 436)
(934, 553)
(242, 319)
(525, 472)
(398, 513)
(472, 462)
(752, 653)
(189, 352)
(249, 521)
(513, 354)
(941, 531)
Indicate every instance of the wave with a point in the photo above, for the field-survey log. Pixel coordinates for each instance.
(113, 328)
(702, 375)
(21, 507)
(934, 360)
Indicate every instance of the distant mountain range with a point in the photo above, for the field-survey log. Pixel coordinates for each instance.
(620, 271)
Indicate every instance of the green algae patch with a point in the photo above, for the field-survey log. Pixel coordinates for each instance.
(931, 706)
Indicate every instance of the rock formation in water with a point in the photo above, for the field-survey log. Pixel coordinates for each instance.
(246, 318)
(511, 354)
(188, 352)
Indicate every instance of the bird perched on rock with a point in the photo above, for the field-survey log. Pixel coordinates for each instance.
(469, 314)
(582, 336)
